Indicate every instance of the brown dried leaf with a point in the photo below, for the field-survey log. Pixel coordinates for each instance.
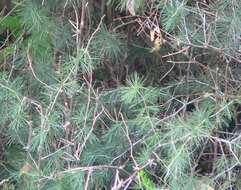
(157, 44)
(203, 186)
(130, 5)
(157, 30)
(152, 35)
(208, 94)
(25, 168)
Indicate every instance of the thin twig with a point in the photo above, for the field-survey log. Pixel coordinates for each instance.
(129, 140)
(92, 35)
(82, 22)
(88, 179)
(35, 76)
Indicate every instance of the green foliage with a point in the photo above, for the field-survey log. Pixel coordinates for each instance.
(11, 23)
(109, 45)
(146, 182)
(9, 50)
(173, 14)
(133, 90)
(94, 107)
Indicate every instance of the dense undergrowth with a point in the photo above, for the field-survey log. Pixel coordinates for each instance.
(129, 94)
